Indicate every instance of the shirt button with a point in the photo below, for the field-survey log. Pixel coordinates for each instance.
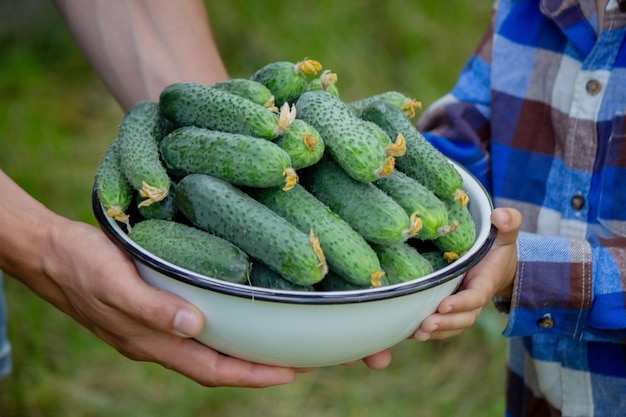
(545, 322)
(593, 87)
(577, 202)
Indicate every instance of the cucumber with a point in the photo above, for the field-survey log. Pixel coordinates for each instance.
(346, 251)
(335, 282)
(397, 148)
(238, 159)
(395, 98)
(463, 237)
(139, 135)
(303, 143)
(193, 104)
(422, 160)
(162, 210)
(192, 249)
(265, 277)
(436, 258)
(112, 187)
(371, 212)
(349, 143)
(416, 198)
(221, 208)
(327, 81)
(286, 80)
(402, 262)
(252, 90)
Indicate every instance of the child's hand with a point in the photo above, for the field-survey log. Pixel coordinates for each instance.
(493, 275)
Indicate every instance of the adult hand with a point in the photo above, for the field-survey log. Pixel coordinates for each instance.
(97, 285)
(492, 276)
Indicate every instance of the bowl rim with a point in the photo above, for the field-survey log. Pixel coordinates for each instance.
(113, 230)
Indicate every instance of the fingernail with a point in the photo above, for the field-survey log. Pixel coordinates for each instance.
(186, 322)
(422, 336)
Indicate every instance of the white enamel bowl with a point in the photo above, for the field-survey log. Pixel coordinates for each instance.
(309, 329)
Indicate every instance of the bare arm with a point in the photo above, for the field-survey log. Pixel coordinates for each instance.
(138, 47)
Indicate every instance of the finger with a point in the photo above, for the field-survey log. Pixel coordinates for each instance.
(508, 222)
(438, 322)
(379, 360)
(204, 365)
(156, 309)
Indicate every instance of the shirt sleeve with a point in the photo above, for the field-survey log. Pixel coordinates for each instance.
(458, 123)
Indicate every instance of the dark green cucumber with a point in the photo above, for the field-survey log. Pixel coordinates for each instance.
(416, 198)
(422, 160)
(371, 212)
(221, 208)
(139, 135)
(239, 159)
(162, 210)
(395, 98)
(463, 237)
(334, 282)
(347, 140)
(327, 81)
(303, 143)
(252, 90)
(402, 262)
(286, 80)
(193, 104)
(346, 251)
(436, 258)
(265, 277)
(192, 249)
(112, 187)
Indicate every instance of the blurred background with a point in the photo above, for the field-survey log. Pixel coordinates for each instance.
(56, 119)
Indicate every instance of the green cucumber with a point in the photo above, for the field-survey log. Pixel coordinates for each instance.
(335, 282)
(395, 149)
(249, 89)
(395, 98)
(221, 208)
(461, 239)
(371, 212)
(193, 104)
(346, 251)
(416, 198)
(265, 277)
(303, 143)
(347, 140)
(286, 80)
(327, 81)
(192, 249)
(422, 160)
(139, 135)
(112, 187)
(436, 258)
(162, 210)
(402, 262)
(238, 159)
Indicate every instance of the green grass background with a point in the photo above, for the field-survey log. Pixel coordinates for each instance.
(56, 119)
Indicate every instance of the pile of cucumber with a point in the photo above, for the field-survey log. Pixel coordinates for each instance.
(274, 181)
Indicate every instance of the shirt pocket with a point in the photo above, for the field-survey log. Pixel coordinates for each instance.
(612, 202)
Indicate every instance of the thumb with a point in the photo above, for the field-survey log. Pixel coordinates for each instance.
(166, 312)
(508, 222)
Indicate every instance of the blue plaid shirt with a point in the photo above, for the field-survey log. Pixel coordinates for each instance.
(538, 114)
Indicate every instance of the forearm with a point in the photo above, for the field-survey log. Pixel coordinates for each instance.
(24, 229)
(138, 47)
